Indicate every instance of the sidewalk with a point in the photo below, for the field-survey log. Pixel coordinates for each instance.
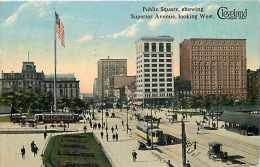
(120, 153)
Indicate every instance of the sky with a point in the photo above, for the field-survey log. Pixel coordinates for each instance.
(95, 30)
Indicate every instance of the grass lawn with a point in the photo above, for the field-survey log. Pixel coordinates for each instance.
(5, 118)
(81, 149)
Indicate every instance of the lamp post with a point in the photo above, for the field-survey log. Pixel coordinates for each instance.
(183, 143)
(152, 124)
(102, 116)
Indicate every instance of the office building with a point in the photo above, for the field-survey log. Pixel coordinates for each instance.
(154, 70)
(214, 66)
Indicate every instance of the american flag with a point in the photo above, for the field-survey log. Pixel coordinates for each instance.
(60, 29)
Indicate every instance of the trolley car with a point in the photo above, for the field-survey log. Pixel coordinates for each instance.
(57, 117)
(147, 133)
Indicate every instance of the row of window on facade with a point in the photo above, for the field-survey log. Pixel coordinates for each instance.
(217, 47)
(155, 47)
(217, 42)
(158, 90)
(220, 54)
(156, 85)
(22, 76)
(156, 95)
(216, 91)
(160, 55)
(155, 80)
(155, 70)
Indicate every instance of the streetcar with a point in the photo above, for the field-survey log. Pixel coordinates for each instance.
(147, 133)
(57, 117)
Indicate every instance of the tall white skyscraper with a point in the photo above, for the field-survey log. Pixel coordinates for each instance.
(154, 69)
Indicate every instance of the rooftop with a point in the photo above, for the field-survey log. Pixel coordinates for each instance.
(154, 38)
(67, 77)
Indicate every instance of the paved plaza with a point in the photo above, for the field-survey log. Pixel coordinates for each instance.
(244, 149)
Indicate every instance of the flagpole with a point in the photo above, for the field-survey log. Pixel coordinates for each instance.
(55, 64)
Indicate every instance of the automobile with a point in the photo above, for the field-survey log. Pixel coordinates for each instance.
(215, 152)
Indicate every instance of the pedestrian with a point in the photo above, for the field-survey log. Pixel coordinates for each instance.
(45, 134)
(99, 126)
(23, 152)
(116, 136)
(35, 150)
(116, 128)
(123, 123)
(45, 127)
(112, 129)
(134, 155)
(113, 136)
(102, 134)
(195, 145)
(32, 146)
(107, 136)
(64, 127)
(106, 128)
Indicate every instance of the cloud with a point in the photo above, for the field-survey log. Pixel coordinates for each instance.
(85, 38)
(13, 17)
(38, 9)
(129, 32)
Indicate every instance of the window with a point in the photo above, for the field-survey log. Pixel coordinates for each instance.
(154, 90)
(169, 65)
(146, 70)
(161, 65)
(161, 75)
(161, 47)
(168, 47)
(154, 85)
(161, 55)
(154, 55)
(161, 70)
(146, 47)
(154, 80)
(146, 65)
(154, 70)
(162, 84)
(169, 79)
(161, 90)
(146, 55)
(146, 80)
(154, 60)
(147, 85)
(154, 75)
(169, 90)
(147, 90)
(153, 47)
(168, 60)
(154, 65)
(161, 60)
(146, 60)
(169, 75)
(147, 75)
(161, 79)
(169, 84)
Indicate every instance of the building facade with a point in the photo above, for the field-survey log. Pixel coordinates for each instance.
(214, 66)
(30, 79)
(253, 84)
(107, 68)
(122, 87)
(154, 69)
